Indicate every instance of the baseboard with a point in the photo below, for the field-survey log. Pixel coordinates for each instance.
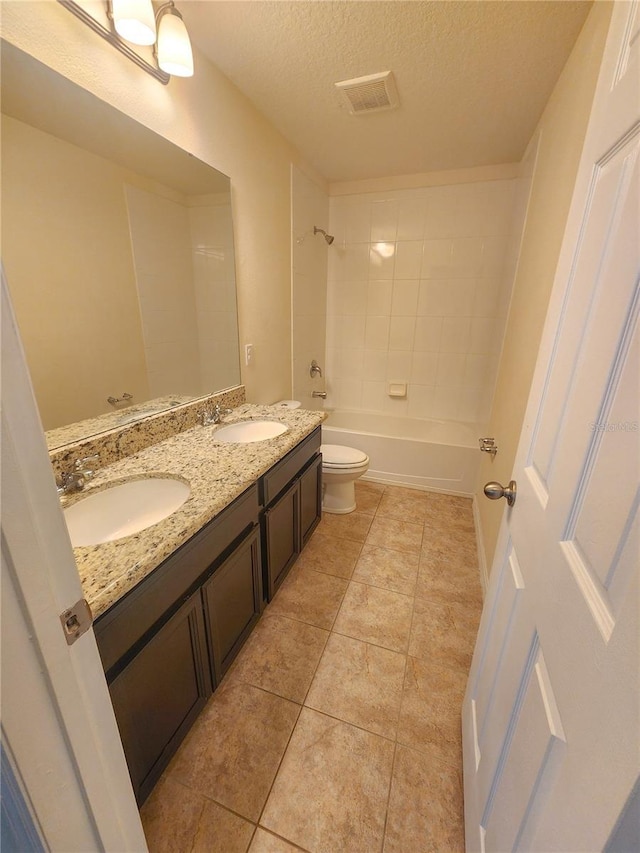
(482, 556)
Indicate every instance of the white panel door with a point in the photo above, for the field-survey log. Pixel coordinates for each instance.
(551, 727)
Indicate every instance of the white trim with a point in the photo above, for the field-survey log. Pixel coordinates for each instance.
(57, 714)
(482, 553)
(502, 172)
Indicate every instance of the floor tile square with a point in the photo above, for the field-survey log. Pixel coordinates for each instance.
(395, 534)
(450, 512)
(331, 790)
(312, 597)
(449, 551)
(232, 753)
(430, 719)
(436, 582)
(360, 684)
(376, 616)
(280, 656)
(221, 831)
(328, 554)
(444, 633)
(351, 525)
(265, 842)
(425, 807)
(368, 496)
(394, 570)
(404, 504)
(170, 816)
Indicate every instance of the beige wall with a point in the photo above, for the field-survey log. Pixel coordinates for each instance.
(209, 117)
(562, 128)
(81, 332)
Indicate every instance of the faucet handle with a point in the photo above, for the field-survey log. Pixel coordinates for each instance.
(80, 466)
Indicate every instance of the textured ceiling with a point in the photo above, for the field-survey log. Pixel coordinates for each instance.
(473, 76)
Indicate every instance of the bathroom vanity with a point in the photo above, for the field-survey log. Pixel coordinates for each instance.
(167, 641)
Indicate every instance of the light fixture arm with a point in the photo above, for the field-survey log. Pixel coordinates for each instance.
(114, 39)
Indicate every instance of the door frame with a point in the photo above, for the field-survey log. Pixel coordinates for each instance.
(57, 717)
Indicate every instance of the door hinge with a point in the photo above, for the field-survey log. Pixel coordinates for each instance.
(76, 620)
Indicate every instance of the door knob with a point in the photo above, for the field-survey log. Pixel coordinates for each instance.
(494, 491)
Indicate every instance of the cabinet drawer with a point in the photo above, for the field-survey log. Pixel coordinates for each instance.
(275, 480)
(165, 588)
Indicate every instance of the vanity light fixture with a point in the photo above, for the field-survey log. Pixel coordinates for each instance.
(135, 22)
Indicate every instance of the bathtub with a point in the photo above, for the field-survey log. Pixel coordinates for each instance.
(440, 456)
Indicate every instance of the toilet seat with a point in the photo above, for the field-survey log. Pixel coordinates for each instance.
(341, 458)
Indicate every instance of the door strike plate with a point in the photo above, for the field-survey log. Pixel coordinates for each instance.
(76, 621)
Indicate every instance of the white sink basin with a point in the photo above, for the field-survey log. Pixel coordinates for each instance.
(244, 432)
(124, 509)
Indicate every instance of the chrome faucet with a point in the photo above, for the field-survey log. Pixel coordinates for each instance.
(73, 481)
(315, 369)
(215, 415)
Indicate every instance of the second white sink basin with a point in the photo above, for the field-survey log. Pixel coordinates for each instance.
(244, 432)
(124, 509)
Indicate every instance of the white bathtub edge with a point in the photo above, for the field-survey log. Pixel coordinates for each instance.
(482, 556)
(389, 479)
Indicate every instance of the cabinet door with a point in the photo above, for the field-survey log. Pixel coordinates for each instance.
(281, 528)
(311, 498)
(233, 602)
(160, 692)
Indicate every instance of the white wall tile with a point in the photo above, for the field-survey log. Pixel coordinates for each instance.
(450, 369)
(379, 295)
(399, 366)
(421, 399)
(382, 261)
(430, 307)
(377, 333)
(437, 258)
(428, 334)
(353, 298)
(375, 365)
(424, 368)
(456, 334)
(408, 259)
(401, 331)
(411, 218)
(373, 396)
(445, 403)
(405, 297)
(384, 221)
(357, 223)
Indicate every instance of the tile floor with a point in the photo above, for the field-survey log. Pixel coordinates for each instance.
(337, 729)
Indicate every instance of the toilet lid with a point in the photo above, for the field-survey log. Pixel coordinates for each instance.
(336, 454)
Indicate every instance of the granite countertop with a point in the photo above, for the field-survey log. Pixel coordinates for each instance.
(217, 473)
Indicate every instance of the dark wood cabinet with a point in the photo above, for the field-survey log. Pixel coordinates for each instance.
(281, 526)
(310, 498)
(167, 644)
(160, 692)
(233, 603)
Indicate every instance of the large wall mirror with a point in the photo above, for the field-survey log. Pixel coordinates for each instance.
(118, 252)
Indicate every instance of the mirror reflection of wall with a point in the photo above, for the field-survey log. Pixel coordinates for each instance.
(121, 270)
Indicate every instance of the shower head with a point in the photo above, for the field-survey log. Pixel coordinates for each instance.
(328, 237)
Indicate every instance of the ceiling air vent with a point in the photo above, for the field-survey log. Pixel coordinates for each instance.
(369, 94)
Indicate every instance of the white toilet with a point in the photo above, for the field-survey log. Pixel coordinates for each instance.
(341, 467)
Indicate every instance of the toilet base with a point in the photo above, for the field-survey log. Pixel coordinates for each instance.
(338, 498)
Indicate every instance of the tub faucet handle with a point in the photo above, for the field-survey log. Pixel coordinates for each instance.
(315, 369)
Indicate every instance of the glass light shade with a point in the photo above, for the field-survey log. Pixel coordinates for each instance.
(134, 20)
(174, 48)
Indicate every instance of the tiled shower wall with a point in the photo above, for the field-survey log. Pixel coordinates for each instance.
(419, 283)
(309, 207)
